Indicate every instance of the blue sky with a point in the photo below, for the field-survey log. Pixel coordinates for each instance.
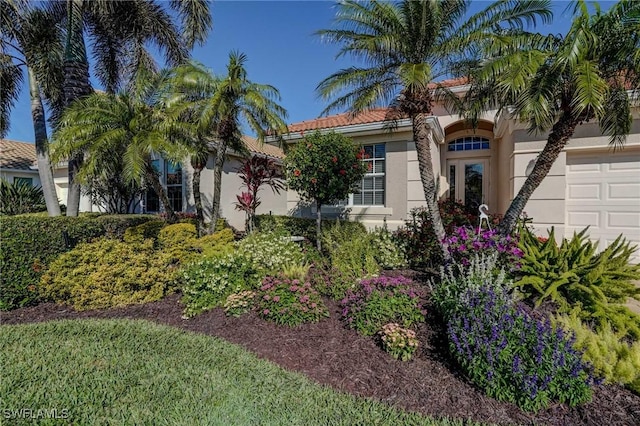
(278, 39)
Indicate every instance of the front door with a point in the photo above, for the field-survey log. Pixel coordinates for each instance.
(468, 181)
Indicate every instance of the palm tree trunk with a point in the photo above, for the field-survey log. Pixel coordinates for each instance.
(217, 185)
(152, 179)
(558, 138)
(423, 149)
(42, 147)
(318, 225)
(76, 85)
(197, 197)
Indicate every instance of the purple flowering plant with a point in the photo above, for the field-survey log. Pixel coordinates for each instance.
(377, 301)
(514, 357)
(289, 302)
(465, 241)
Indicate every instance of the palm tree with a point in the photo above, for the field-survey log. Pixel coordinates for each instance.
(128, 123)
(30, 39)
(121, 32)
(556, 83)
(218, 104)
(406, 46)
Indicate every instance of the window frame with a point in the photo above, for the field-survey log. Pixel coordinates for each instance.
(26, 180)
(349, 202)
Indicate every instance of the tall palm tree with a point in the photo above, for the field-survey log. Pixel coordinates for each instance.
(556, 83)
(121, 32)
(406, 46)
(30, 39)
(219, 104)
(102, 124)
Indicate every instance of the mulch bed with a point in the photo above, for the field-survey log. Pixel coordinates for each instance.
(330, 354)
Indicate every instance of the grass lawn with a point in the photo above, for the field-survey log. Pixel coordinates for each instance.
(136, 372)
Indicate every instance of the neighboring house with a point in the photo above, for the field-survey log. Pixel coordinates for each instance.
(18, 162)
(589, 184)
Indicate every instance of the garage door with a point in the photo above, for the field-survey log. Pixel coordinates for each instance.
(603, 192)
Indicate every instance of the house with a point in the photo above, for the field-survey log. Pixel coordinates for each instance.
(589, 184)
(18, 162)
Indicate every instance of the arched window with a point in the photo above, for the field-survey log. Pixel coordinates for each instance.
(468, 143)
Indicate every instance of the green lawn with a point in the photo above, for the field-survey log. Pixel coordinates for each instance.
(136, 372)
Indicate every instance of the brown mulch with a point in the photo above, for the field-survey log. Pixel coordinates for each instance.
(330, 354)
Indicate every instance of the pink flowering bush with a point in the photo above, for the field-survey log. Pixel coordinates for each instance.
(400, 343)
(289, 302)
(377, 301)
(464, 242)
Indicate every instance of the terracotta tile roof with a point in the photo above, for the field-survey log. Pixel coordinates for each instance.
(370, 116)
(17, 155)
(339, 120)
(254, 146)
(452, 82)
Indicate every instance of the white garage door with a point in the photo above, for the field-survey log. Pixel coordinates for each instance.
(603, 192)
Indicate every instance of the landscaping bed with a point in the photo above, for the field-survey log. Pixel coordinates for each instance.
(331, 354)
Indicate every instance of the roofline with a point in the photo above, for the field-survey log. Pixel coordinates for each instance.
(432, 121)
(7, 169)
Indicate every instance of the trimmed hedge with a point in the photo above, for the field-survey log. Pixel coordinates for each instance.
(31, 243)
(301, 226)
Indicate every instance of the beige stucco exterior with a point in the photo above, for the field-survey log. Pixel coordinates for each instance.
(612, 207)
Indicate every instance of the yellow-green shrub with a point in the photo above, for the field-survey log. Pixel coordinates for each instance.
(613, 357)
(148, 230)
(178, 241)
(217, 244)
(108, 273)
(176, 234)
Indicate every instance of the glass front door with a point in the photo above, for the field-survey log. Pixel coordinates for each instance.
(468, 181)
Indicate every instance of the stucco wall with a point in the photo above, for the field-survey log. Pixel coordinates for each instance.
(10, 175)
(231, 186)
(547, 205)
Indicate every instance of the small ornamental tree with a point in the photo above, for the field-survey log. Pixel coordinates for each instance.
(255, 173)
(324, 168)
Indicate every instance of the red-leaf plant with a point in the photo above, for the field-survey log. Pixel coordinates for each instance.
(254, 173)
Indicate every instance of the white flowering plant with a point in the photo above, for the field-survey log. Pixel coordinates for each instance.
(206, 284)
(270, 252)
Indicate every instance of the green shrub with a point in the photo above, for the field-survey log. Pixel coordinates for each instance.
(417, 238)
(574, 274)
(147, 230)
(387, 252)
(299, 226)
(20, 197)
(179, 241)
(381, 300)
(207, 283)
(115, 225)
(456, 280)
(350, 250)
(31, 242)
(290, 302)
(176, 234)
(329, 281)
(219, 243)
(108, 273)
(270, 252)
(614, 358)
